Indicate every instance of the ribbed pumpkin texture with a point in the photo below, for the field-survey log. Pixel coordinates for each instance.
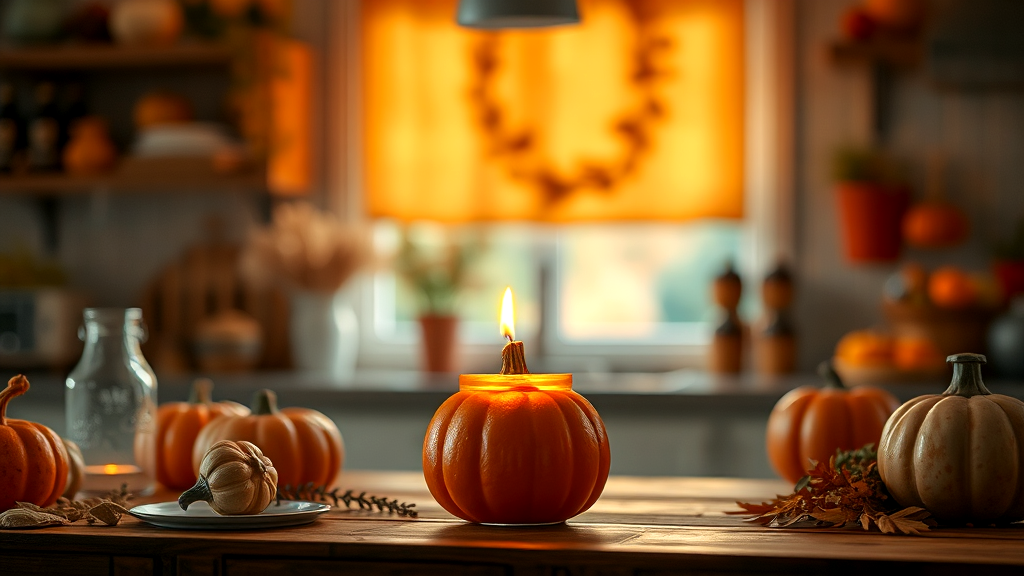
(33, 460)
(811, 423)
(516, 456)
(304, 445)
(959, 455)
(178, 425)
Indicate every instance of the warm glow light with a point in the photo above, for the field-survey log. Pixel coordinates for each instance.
(113, 469)
(508, 322)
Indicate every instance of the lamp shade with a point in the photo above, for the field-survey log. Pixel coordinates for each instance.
(498, 14)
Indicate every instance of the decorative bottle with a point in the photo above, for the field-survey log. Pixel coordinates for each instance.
(111, 403)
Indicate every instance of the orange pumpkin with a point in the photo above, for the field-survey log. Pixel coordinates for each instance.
(516, 449)
(811, 423)
(865, 348)
(304, 445)
(33, 461)
(178, 425)
(935, 225)
(162, 107)
(914, 353)
(950, 287)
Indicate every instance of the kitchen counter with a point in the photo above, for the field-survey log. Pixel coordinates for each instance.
(639, 526)
(685, 423)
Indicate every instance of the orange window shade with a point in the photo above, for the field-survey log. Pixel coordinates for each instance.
(637, 114)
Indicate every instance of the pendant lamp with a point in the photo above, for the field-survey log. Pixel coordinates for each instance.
(498, 14)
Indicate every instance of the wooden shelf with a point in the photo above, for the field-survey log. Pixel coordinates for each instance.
(132, 181)
(112, 56)
(897, 53)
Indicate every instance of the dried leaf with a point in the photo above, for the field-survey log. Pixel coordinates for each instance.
(27, 518)
(844, 491)
(107, 512)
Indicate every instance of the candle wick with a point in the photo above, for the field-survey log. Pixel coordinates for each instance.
(509, 338)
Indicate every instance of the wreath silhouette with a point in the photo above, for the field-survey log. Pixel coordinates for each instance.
(515, 148)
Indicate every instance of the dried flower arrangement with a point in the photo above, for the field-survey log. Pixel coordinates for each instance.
(106, 510)
(846, 491)
(306, 249)
(314, 493)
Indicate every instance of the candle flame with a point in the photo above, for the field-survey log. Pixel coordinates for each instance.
(111, 469)
(508, 323)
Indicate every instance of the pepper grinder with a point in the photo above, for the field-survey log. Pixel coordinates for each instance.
(775, 350)
(727, 344)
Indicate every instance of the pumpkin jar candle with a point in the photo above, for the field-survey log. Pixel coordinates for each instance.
(515, 447)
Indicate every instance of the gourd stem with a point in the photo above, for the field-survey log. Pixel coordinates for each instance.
(832, 379)
(15, 387)
(967, 380)
(201, 491)
(264, 402)
(201, 391)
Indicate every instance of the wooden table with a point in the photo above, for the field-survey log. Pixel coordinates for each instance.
(639, 526)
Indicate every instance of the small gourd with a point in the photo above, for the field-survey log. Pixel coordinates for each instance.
(234, 478)
(958, 454)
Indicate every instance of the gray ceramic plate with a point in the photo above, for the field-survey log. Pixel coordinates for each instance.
(200, 516)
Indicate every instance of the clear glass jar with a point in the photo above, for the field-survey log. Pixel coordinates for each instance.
(111, 403)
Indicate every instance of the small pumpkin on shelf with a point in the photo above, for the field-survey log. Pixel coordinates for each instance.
(305, 445)
(234, 478)
(957, 454)
(33, 460)
(810, 423)
(178, 425)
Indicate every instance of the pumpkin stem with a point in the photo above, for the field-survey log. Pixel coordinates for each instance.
(201, 491)
(828, 372)
(15, 387)
(264, 402)
(966, 376)
(202, 390)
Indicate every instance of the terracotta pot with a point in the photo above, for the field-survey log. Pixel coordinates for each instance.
(439, 342)
(871, 217)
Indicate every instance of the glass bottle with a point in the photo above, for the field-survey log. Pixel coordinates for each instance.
(111, 403)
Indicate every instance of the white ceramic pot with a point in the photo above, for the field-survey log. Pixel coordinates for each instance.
(324, 334)
(146, 22)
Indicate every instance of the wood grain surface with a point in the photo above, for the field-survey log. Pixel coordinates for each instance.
(639, 526)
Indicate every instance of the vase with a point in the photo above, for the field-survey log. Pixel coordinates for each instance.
(1006, 341)
(439, 342)
(324, 334)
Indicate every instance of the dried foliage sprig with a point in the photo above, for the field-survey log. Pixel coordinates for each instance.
(316, 493)
(847, 491)
(305, 249)
(106, 510)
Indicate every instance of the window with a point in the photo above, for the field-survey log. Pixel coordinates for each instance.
(634, 294)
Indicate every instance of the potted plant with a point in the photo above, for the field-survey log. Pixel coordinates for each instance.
(872, 200)
(437, 274)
